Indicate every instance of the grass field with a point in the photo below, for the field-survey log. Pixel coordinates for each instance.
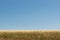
(29, 35)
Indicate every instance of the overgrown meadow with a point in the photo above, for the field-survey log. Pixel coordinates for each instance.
(35, 35)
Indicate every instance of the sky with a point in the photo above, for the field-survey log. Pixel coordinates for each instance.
(29, 14)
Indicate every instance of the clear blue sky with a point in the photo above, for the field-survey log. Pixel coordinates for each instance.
(29, 14)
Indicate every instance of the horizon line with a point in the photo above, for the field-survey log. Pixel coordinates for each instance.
(27, 30)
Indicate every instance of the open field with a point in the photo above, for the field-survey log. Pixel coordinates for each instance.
(29, 35)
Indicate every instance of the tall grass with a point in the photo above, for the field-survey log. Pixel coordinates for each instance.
(50, 35)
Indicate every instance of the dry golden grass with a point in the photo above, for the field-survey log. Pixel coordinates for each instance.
(29, 35)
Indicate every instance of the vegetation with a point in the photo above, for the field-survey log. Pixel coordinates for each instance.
(37, 35)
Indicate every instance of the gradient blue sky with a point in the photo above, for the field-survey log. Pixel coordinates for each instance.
(29, 14)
